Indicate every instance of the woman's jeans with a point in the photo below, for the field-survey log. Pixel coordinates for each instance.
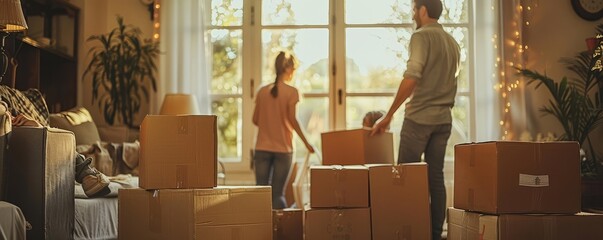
(272, 169)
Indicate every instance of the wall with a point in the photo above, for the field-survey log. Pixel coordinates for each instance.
(555, 31)
(99, 17)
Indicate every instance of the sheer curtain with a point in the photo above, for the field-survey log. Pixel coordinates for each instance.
(183, 66)
(487, 105)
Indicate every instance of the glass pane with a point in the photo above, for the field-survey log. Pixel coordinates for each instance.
(455, 11)
(376, 58)
(229, 112)
(461, 35)
(295, 12)
(313, 117)
(378, 11)
(226, 61)
(227, 12)
(310, 46)
(460, 125)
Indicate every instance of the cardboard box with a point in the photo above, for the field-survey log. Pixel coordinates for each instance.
(339, 186)
(400, 201)
(219, 213)
(356, 147)
(344, 223)
(463, 225)
(178, 152)
(287, 224)
(517, 177)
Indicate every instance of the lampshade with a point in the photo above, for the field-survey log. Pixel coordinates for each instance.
(11, 16)
(177, 104)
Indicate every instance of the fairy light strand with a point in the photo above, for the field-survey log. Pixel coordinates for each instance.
(156, 24)
(508, 85)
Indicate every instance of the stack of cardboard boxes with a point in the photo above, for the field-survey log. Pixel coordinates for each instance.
(339, 203)
(179, 197)
(519, 190)
(359, 193)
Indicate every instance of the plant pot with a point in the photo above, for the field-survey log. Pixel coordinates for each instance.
(592, 194)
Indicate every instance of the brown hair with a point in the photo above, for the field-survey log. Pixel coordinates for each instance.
(370, 118)
(284, 61)
(434, 7)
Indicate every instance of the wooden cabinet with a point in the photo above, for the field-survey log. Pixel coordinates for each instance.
(53, 73)
(46, 56)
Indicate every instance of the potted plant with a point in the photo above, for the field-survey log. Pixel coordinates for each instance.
(122, 62)
(577, 104)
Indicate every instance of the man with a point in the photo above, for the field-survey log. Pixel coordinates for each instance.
(430, 79)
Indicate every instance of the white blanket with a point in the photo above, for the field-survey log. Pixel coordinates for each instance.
(117, 182)
(97, 218)
(12, 222)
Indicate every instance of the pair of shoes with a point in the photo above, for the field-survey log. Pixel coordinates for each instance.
(94, 183)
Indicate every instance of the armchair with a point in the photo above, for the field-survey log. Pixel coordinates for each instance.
(37, 166)
(39, 174)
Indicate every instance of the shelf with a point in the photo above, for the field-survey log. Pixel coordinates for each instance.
(47, 48)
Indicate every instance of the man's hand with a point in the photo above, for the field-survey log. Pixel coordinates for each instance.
(23, 120)
(382, 125)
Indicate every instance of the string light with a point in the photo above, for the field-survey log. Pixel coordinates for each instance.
(156, 24)
(506, 87)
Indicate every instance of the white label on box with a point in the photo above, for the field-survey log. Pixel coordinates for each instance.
(533, 180)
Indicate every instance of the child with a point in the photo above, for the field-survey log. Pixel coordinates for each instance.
(371, 118)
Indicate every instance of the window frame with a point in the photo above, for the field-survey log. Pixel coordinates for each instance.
(252, 76)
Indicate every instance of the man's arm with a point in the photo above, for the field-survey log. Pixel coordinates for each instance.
(405, 89)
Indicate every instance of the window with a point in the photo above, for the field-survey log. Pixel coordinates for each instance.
(351, 62)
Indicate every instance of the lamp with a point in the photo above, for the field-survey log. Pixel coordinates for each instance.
(11, 20)
(176, 104)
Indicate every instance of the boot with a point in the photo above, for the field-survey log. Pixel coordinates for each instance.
(94, 183)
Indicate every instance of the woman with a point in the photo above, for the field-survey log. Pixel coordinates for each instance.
(275, 116)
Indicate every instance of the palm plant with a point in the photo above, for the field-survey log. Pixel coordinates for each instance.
(577, 103)
(121, 64)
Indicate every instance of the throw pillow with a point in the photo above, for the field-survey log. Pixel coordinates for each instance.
(79, 121)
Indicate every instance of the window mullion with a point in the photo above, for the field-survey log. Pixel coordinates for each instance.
(250, 82)
(337, 65)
